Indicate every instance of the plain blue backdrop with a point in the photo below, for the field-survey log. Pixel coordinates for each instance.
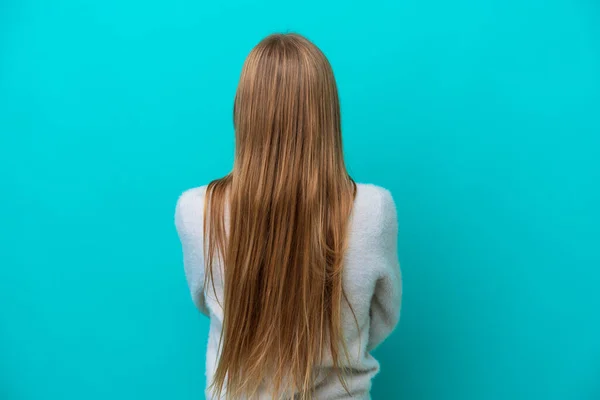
(482, 118)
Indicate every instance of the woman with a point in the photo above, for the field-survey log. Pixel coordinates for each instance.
(294, 263)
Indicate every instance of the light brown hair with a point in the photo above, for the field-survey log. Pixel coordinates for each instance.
(289, 199)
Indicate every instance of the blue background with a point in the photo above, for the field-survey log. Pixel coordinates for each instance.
(482, 118)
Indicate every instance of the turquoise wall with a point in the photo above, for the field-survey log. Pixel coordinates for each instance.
(482, 117)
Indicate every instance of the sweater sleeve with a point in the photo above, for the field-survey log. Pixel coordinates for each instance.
(386, 300)
(189, 225)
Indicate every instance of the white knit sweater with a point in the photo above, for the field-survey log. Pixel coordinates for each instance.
(371, 279)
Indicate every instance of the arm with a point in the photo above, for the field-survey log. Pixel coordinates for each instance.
(385, 304)
(189, 224)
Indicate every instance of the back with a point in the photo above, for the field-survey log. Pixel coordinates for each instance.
(371, 280)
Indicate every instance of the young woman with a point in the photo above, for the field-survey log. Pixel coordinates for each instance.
(294, 263)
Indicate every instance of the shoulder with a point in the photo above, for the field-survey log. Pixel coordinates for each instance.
(377, 205)
(189, 210)
(376, 196)
(191, 198)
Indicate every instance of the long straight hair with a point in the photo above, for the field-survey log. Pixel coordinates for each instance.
(289, 198)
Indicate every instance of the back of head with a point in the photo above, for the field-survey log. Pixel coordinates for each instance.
(289, 198)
